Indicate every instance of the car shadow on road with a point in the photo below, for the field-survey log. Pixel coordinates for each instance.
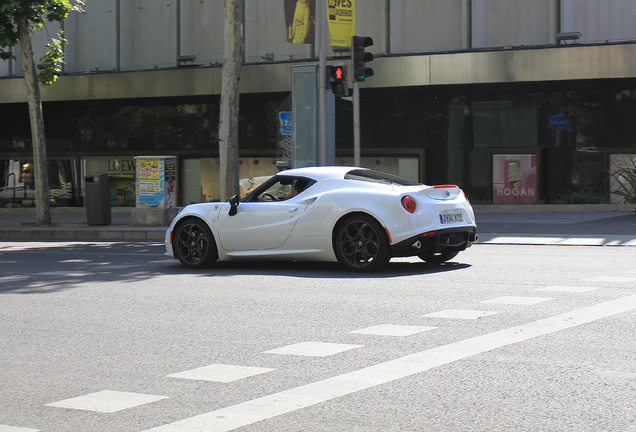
(51, 268)
(317, 270)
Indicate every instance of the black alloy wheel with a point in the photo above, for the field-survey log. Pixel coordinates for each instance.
(193, 244)
(362, 245)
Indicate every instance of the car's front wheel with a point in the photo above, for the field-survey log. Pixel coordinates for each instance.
(361, 244)
(194, 244)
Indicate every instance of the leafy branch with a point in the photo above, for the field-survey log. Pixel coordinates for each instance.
(625, 178)
(37, 13)
(53, 60)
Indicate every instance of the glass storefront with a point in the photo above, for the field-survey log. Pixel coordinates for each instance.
(17, 182)
(431, 134)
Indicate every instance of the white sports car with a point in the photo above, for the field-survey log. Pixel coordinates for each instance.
(357, 216)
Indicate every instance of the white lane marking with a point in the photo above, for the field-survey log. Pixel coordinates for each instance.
(523, 240)
(63, 273)
(12, 279)
(511, 300)
(6, 428)
(25, 246)
(286, 401)
(531, 239)
(106, 401)
(611, 279)
(393, 330)
(99, 266)
(460, 314)
(220, 373)
(313, 349)
(567, 288)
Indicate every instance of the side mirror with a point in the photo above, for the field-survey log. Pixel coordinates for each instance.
(234, 202)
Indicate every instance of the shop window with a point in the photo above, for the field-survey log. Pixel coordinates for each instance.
(17, 182)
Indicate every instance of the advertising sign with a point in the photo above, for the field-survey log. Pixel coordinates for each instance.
(156, 178)
(300, 16)
(514, 178)
(341, 16)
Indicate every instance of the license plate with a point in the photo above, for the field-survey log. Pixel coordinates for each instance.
(450, 218)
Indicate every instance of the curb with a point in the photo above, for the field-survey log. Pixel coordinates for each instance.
(64, 234)
(529, 208)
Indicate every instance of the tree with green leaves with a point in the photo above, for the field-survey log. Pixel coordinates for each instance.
(18, 20)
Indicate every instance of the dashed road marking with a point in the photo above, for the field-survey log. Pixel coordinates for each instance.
(464, 314)
(512, 300)
(313, 349)
(106, 401)
(64, 273)
(12, 279)
(393, 330)
(7, 428)
(266, 407)
(567, 288)
(611, 279)
(221, 373)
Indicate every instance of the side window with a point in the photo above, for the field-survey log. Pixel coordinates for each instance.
(282, 189)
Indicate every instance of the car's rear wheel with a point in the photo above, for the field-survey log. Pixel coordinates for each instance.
(194, 244)
(361, 244)
(440, 257)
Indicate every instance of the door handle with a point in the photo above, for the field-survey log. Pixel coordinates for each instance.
(292, 210)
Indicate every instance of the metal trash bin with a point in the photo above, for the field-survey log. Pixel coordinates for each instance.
(97, 199)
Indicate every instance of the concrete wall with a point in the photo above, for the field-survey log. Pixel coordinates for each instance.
(131, 35)
(600, 20)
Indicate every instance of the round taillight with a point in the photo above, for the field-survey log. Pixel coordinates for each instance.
(408, 202)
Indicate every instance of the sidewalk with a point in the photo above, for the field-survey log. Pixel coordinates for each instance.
(579, 228)
(70, 224)
(583, 225)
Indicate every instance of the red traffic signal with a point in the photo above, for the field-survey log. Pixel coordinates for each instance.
(337, 73)
(337, 76)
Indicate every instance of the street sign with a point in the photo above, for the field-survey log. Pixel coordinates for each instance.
(560, 122)
(285, 122)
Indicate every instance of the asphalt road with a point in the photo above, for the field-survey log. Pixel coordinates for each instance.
(117, 337)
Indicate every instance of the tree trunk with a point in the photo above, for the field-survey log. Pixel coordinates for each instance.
(40, 175)
(229, 110)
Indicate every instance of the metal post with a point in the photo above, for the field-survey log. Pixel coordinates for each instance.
(356, 123)
(322, 85)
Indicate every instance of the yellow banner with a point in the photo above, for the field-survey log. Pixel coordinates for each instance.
(341, 15)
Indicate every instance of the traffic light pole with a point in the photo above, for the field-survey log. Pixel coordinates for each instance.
(359, 59)
(356, 123)
(323, 40)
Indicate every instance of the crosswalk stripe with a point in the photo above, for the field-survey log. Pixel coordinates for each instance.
(252, 411)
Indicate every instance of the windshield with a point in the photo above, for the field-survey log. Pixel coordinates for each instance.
(378, 177)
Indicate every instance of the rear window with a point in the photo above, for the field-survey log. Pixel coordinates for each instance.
(378, 177)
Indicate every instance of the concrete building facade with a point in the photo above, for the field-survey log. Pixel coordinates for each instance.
(517, 101)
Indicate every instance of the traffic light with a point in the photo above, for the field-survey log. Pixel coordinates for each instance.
(338, 80)
(360, 57)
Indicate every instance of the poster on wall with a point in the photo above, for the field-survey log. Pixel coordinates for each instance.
(300, 17)
(514, 178)
(156, 177)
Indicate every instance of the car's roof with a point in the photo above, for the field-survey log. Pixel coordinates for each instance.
(320, 172)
